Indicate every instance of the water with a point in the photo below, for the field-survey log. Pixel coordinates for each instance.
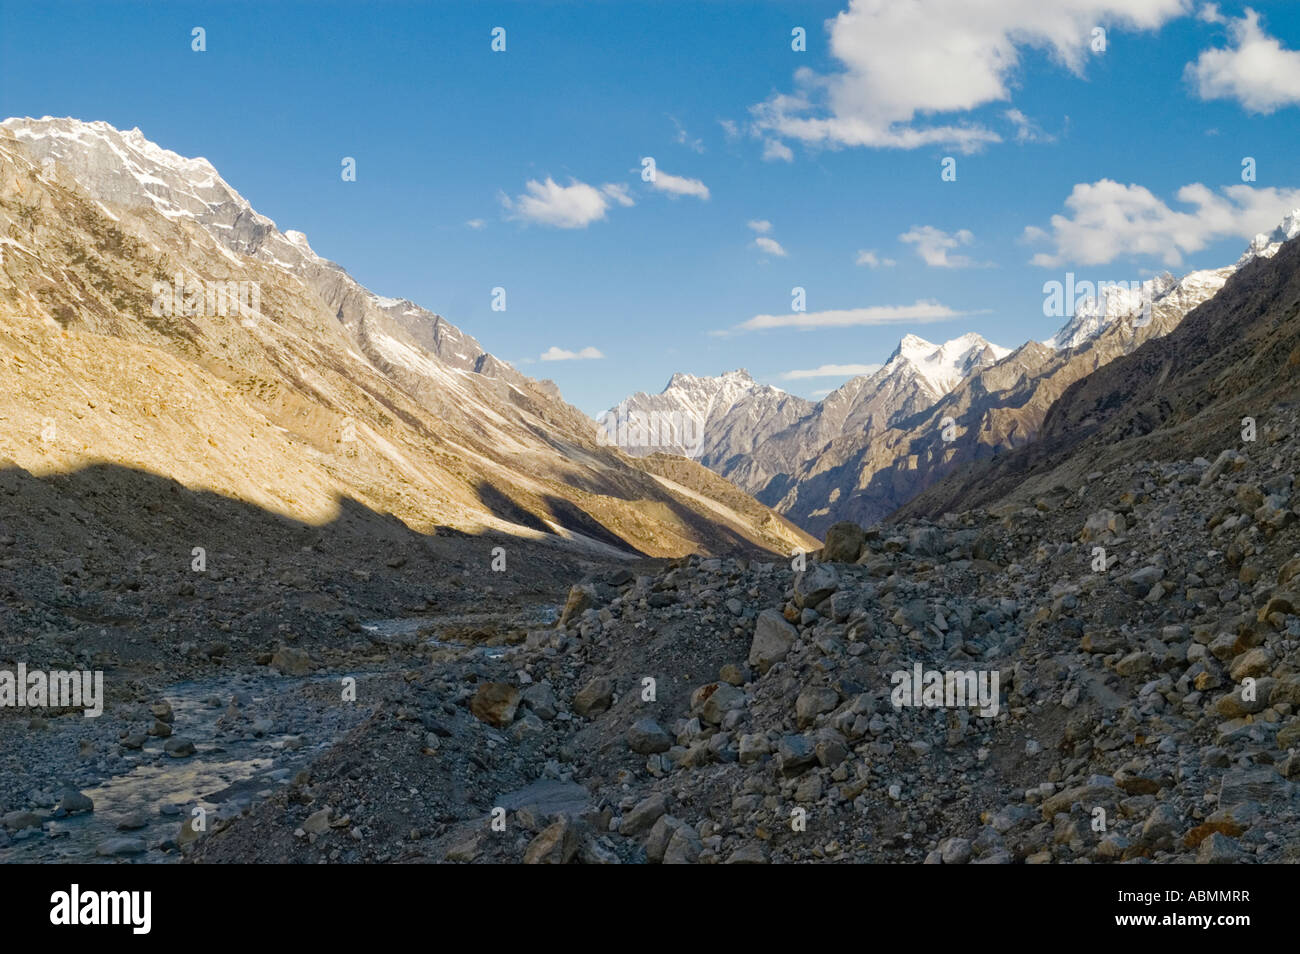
(285, 724)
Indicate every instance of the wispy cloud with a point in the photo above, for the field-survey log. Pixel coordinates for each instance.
(919, 312)
(560, 354)
(679, 185)
(477, 224)
(764, 242)
(831, 371)
(685, 139)
(869, 258)
(1026, 129)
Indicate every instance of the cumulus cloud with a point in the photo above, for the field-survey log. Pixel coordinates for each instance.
(1255, 70)
(679, 185)
(769, 245)
(919, 312)
(831, 371)
(574, 206)
(935, 246)
(476, 224)
(560, 354)
(902, 61)
(1105, 220)
(868, 257)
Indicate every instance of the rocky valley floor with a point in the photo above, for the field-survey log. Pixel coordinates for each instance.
(1143, 626)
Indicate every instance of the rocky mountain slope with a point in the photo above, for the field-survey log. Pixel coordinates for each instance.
(317, 391)
(728, 711)
(1191, 390)
(997, 408)
(880, 439)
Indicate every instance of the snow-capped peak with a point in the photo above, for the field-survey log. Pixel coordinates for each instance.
(942, 366)
(1266, 245)
(126, 169)
(1104, 303)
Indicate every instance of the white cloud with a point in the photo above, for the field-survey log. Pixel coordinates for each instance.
(1105, 220)
(769, 245)
(1255, 70)
(684, 138)
(559, 354)
(679, 185)
(617, 193)
(1026, 129)
(919, 312)
(729, 128)
(574, 206)
(903, 60)
(761, 226)
(868, 257)
(831, 371)
(934, 246)
(775, 150)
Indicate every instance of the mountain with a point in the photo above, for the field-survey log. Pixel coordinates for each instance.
(880, 440)
(757, 435)
(1180, 395)
(156, 321)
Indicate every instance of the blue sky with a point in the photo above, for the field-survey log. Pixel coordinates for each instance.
(838, 149)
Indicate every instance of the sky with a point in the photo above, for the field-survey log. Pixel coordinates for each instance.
(793, 146)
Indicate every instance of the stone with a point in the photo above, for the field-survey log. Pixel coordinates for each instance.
(17, 821)
(74, 802)
(495, 703)
(812, 702)
(581, 598)
(595, 697)
(318, 822)
(773, 637)
(646, 736)
(815, 584)
(178, 748)
(844, 543)
(122, 845)
(643, 815)
(540, 697)
(795, 754)
(723, 698)
(557, 844)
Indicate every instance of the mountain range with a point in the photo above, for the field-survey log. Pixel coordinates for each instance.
(881, 439)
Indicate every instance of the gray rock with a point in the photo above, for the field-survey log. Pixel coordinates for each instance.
(773, 637)
(75, 803)
(646, 736)
(814, 584)
(121, 846)
(643, 815)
